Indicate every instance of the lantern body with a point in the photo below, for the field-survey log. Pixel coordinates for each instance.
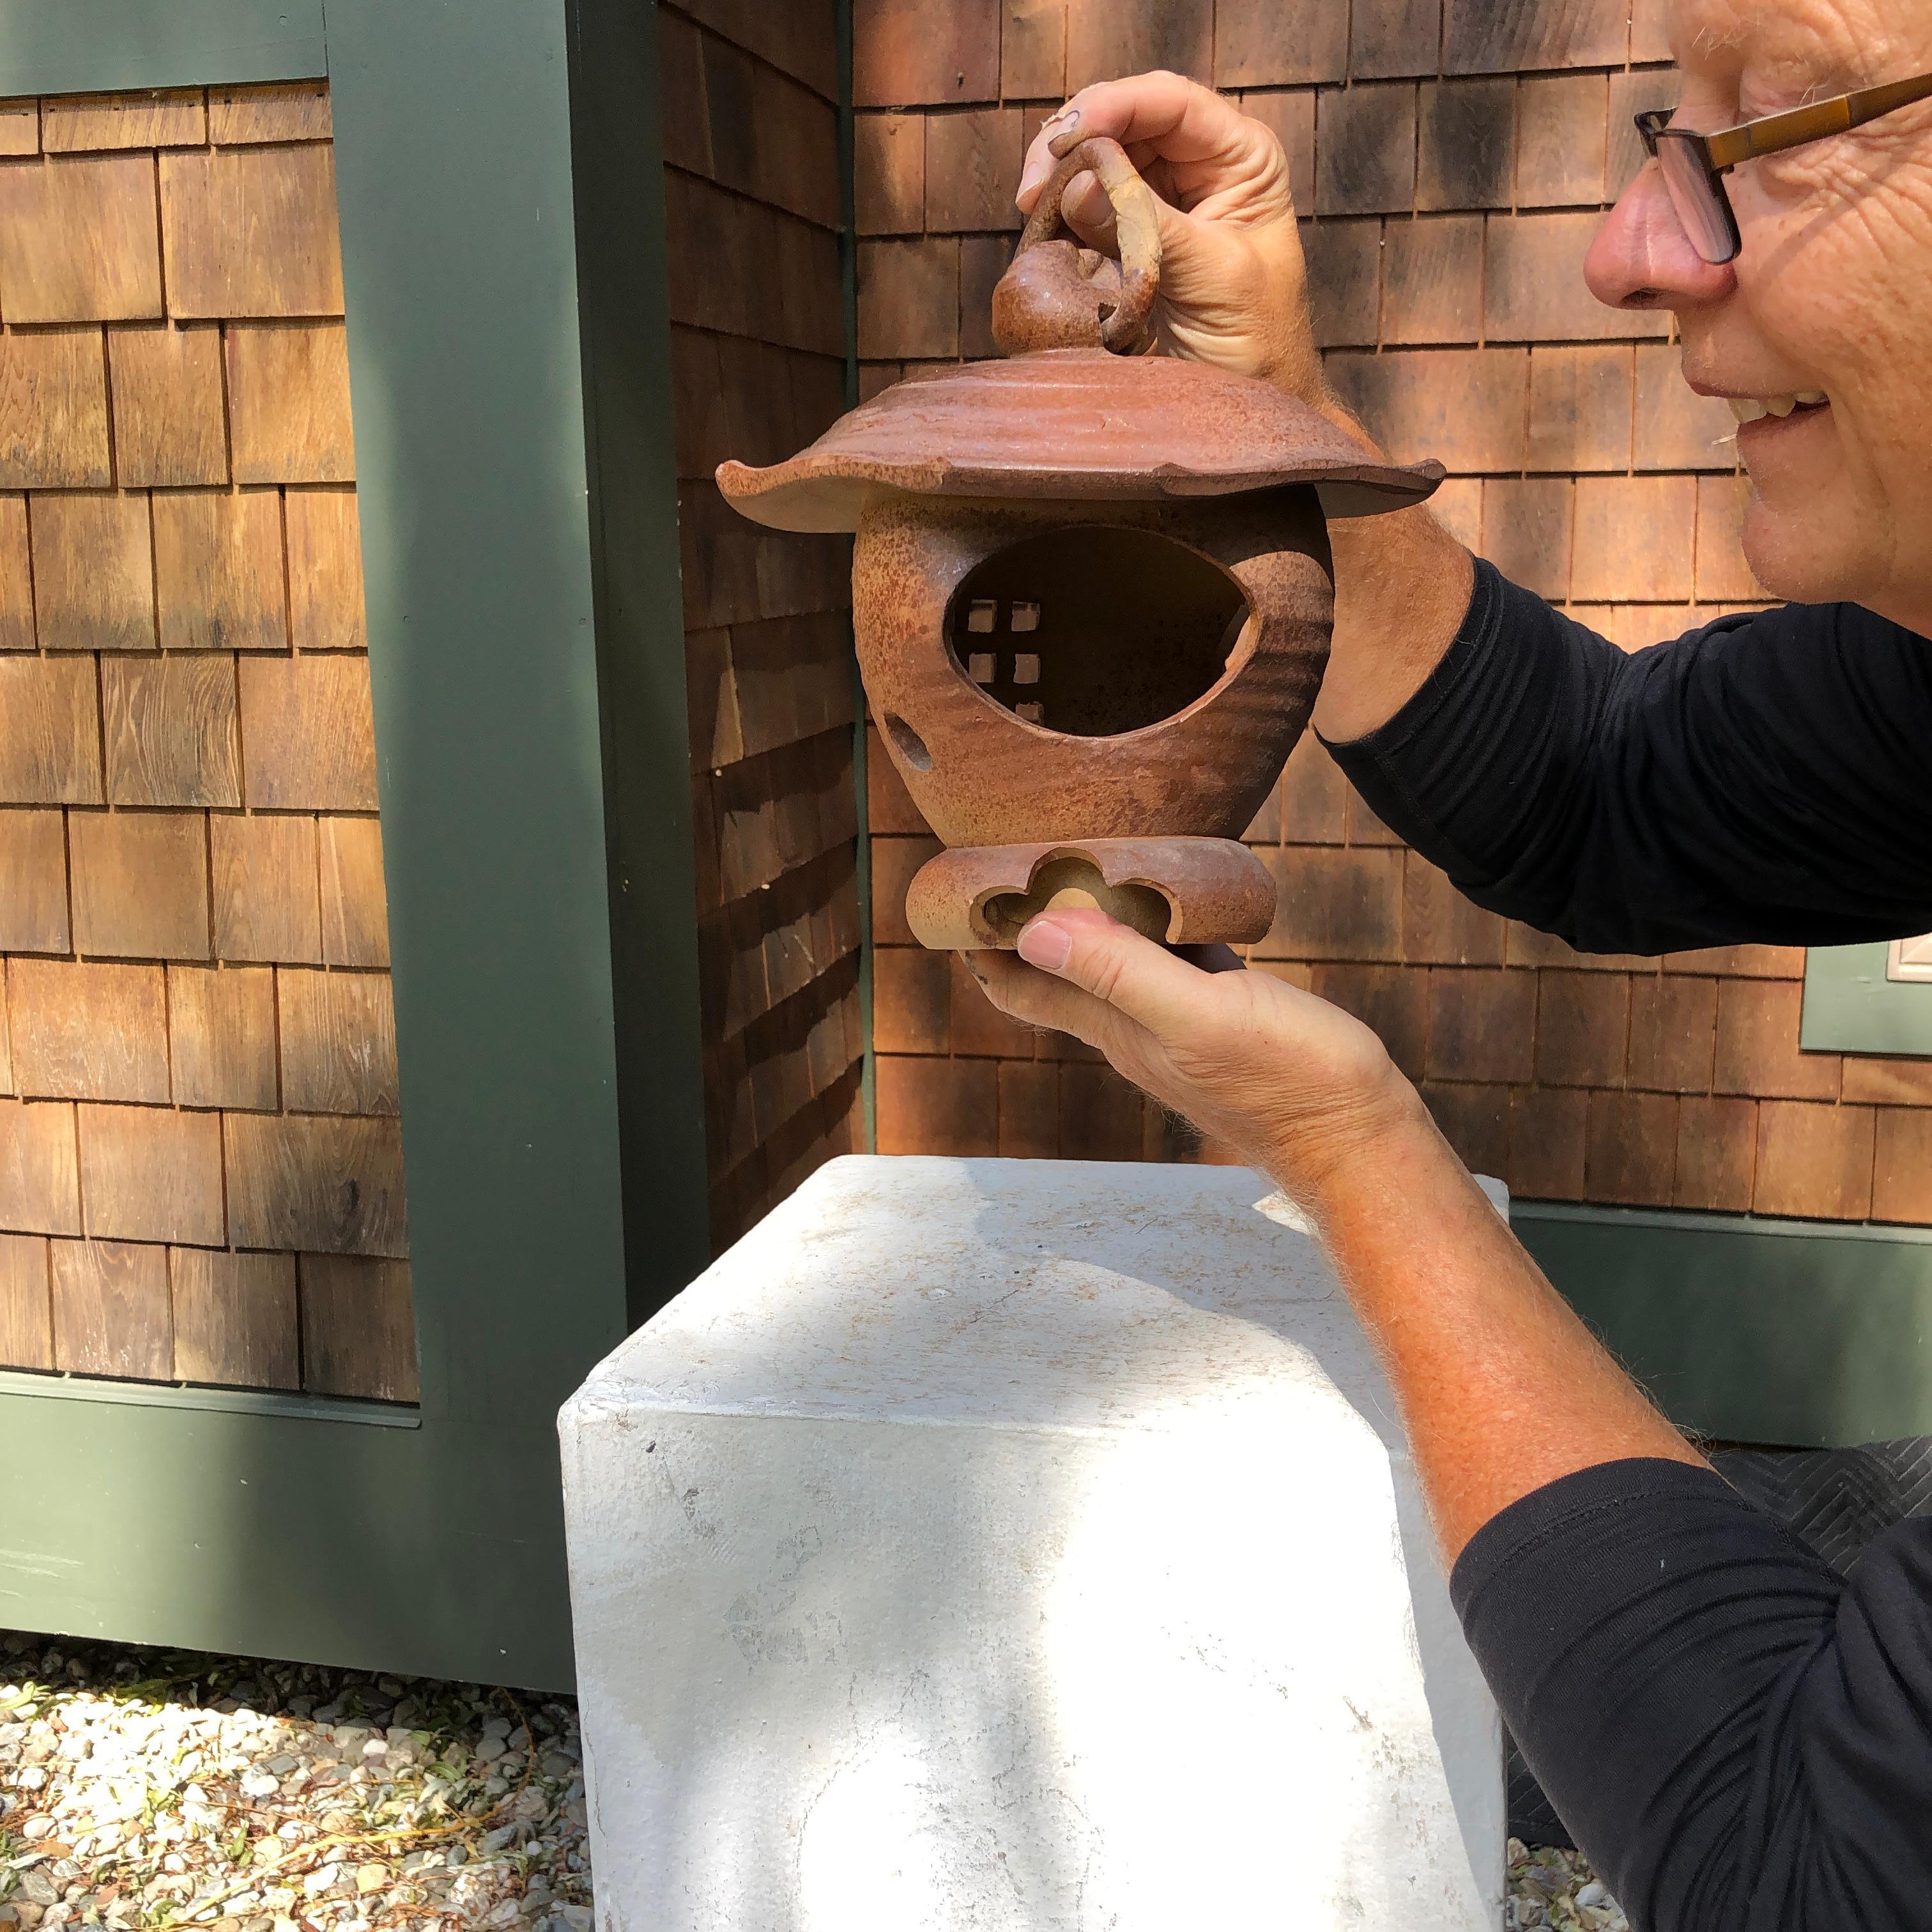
(1057, 671)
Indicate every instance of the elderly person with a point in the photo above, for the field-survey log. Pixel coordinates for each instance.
(1740, 1737)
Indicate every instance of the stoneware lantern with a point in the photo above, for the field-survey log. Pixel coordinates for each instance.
(1091, 592)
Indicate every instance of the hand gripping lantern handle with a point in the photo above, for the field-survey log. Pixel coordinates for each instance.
(1065, 297)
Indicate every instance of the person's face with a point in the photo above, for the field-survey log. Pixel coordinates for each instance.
(1830, 297)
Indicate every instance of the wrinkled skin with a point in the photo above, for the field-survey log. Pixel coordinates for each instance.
(1296, 1085)
(1233, 288)
(1833, 292)
(1501, 1389)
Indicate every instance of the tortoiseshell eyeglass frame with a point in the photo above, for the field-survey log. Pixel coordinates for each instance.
(1712, 219)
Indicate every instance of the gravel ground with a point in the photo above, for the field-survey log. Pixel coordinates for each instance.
(157, 1788)
(1547, 1887)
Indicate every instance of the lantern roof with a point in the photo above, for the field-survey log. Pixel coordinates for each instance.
(1078, 424)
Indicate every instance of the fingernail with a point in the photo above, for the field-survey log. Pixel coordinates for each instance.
(1045, 945)
(974, 966)
(1055, 128)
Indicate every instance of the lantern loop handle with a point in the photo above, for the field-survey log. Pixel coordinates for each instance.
(1137, 228)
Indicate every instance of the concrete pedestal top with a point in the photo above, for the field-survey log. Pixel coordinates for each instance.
(1021, 1546)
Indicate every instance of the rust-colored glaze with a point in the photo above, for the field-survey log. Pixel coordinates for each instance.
(1182, 891)
(1057, 295)
(1078, 424)
(1091, 592)
(984, 776)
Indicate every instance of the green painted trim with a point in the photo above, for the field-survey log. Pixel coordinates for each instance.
(848, 274)
(438, 1548)
(414, 1550)
(235, 1401)
(624, 318)
(848, 199)
(1850, 1006)
(1753, 1331)
(868, 1059)
(94, 47)
(1685, 1222)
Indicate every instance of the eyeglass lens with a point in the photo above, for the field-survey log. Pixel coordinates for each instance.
(1696, 198)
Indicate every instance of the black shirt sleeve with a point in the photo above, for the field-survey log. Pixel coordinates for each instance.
(1760, 779)
(1740, 1739)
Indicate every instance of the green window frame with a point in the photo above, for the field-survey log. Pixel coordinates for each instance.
(498, 171)
(1851, 1007)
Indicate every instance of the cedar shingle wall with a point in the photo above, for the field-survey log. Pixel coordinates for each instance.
(758, 349)
(1453, 157)
(200, 1169)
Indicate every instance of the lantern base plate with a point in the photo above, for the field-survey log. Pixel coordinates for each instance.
(1183, 891)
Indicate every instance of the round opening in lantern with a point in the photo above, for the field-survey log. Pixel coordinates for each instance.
(1092, 631)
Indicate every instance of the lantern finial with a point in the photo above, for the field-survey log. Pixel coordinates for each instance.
(1057, 295)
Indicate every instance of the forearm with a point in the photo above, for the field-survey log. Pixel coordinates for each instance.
(1402, 588)
(1501, 1388)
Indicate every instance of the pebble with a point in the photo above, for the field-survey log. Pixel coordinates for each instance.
(146, 1786)
(152, 1804)
(1557, 1889)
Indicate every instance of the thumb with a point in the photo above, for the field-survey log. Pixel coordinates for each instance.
(1141, 980)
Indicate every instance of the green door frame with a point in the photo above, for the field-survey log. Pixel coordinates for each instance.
(513, 446)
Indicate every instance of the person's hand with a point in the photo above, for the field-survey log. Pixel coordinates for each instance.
(1295, 1084)
(1233, 288)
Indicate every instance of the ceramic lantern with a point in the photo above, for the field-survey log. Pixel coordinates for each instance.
(1091, 594)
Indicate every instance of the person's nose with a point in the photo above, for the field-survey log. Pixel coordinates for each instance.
(1642, 258)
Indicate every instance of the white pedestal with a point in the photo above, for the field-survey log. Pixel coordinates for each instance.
(1018, 1546)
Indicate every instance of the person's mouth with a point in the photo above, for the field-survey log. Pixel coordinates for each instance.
(1749, 409)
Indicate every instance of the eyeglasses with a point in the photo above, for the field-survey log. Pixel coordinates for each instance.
(1694, 165)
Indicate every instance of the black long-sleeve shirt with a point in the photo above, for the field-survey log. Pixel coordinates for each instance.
(1739, 1738)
